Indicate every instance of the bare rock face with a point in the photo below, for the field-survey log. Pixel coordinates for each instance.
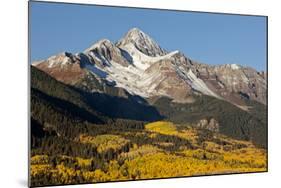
(64, 67)
(103, 52)
(233, 82)
(164, 80)
(211, 125)
(139, 66)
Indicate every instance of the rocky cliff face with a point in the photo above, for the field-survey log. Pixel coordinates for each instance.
(138, 65)
(234, 82)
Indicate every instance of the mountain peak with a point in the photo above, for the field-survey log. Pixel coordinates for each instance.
(136, 33)
(142, 42)
(99, 44)
(135, 30)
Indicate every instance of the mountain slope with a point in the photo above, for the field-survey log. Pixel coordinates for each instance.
(50, 96)
(140, 66)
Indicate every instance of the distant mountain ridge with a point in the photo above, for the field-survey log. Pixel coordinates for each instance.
(138, 65)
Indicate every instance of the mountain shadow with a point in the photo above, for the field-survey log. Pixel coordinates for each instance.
(130, 107)
(37, 129)
(91, 107)
(66, 108)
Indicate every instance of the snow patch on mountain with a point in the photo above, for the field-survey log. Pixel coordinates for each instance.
(133, 77)
(124, 77)
(198, 84)
(143, 61)
(235, 66)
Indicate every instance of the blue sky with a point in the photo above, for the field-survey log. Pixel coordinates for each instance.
(207, 38)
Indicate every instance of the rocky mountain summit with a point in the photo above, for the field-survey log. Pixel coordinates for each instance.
(137, 65)
(135, 38)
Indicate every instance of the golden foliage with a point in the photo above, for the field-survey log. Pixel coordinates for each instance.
(216, 155)
(162, 127)
(36, 169)
(139, 151)
(40, 159)
(104, 142)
